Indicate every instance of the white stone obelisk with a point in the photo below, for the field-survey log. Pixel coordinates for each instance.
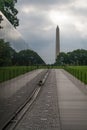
(57, 41)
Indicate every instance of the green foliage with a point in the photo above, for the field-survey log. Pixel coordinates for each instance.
(9, 57)
(79, 72)
(7, 73)
(5, 53)
(29, 57)
(76, 57)
(62, 59)
(8, 9)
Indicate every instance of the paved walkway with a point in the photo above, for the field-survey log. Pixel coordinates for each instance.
(44, 113)
(61, 105)
(9, 88)
(72, 96)
(15, 92)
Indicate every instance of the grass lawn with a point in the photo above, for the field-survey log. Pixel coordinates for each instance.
(7, 73)
(79, 72)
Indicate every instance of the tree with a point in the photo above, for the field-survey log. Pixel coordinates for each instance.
(5, 58)
(62, 59)
(8, 9)
(76, 57)
(28, 57)
(8, 56)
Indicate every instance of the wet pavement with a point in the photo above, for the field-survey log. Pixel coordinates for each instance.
(8, 88)
(72, 95)
(44, 113)
(12, 97)
(61, 105)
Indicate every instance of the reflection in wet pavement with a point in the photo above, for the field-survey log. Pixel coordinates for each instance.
(10, 87)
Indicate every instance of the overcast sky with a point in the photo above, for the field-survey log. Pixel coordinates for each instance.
(39, 19)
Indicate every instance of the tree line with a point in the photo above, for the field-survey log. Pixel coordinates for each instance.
(76, 57)
(9, 57)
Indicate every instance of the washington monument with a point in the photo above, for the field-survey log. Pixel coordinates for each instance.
(57, 42)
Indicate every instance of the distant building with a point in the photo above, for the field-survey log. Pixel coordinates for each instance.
(57, 41)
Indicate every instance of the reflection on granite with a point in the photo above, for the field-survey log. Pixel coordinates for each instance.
(11, 35)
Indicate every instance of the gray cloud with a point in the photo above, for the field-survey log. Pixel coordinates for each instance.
(38, 29)
(45, 2)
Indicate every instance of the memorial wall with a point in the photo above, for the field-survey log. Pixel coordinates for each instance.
(11, 35)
